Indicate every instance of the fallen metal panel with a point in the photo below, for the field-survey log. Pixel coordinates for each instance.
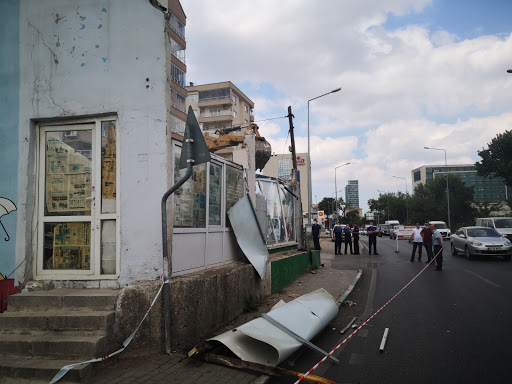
(248, 234)
(261, 342)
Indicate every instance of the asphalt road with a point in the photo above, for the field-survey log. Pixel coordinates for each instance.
(450, 326)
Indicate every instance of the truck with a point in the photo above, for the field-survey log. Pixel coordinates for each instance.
(392, 222)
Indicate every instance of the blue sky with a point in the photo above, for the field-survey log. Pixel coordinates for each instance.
(413, 73)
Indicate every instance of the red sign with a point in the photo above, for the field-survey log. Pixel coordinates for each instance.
(300, 161)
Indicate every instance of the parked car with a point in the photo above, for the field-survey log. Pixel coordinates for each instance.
(385, 230)
(502, 224)
(442, 228)
(482, 241)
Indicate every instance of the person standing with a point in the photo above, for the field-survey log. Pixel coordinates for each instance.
(372, 238)
(338, 237)
(355, 236)
(417, 242)
(315, 232)
(347, 235)
(437, 241)
(426, 234)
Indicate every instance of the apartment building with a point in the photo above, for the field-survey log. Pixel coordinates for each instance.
(352, 193)
(220, 105)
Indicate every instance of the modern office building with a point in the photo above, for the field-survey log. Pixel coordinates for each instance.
(281, 166)
(352, 193)
(486, 189)
(220, 105)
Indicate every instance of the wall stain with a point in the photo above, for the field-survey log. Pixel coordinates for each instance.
(99, 26)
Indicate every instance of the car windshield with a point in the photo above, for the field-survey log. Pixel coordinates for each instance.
(503, 223)
(483, 232)
(441, 226)
(385, 226)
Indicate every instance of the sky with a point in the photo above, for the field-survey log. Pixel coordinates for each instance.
(413, 73)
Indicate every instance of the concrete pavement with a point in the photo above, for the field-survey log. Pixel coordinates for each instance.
(178, 368)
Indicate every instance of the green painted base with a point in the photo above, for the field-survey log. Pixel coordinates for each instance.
(286, 270)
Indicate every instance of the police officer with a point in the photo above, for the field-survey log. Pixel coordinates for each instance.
(315, 232)
(347, 234)
(355, 236)
(338, 236)
(372, 238)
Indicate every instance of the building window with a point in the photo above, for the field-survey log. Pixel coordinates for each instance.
(178, 101)
(417, 176)
(234, 114)
(177, 75)
(176, 25)
(246, 108)
(215, 94)
(214, 112)
(177, 125)
(234, 99)
(283, 169)
(193, 97)
(177, 50)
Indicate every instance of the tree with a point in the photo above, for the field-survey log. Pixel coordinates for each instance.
(497, 158)
(326, 205)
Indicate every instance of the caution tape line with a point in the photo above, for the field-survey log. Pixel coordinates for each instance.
(366, 322)
(67, 368)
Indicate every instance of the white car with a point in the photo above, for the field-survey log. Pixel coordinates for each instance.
(442, 228)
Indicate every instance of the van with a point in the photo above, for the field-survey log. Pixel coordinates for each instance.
(392, 222)
(442, 228)
(502, 224)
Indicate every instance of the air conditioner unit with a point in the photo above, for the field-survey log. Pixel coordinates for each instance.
(225, 106)
(70, 133)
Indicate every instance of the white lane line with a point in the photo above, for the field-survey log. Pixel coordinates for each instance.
(482, 278)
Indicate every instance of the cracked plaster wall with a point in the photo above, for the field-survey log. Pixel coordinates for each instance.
(89, 57)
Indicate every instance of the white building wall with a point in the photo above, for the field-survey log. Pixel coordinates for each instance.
(88, 58)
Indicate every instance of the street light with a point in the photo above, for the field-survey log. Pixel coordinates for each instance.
(387, 198)
(406, 193)
(509, 70)
(309, 156)
(336, 187)
(447, 189)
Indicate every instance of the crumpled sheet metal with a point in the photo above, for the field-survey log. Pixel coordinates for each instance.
(258, 341)
(248, 234)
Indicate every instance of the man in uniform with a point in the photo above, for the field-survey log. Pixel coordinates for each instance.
(347, 234)
(338, 236)
(437, 242)
(355, 235)
(315, 232)
(372, 238)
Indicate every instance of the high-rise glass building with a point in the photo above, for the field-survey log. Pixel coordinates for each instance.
(352, 193)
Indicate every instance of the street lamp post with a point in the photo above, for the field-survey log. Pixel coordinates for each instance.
(447, 189)
(406, 197)
(387, 198)
(336, 187)
(310, 189)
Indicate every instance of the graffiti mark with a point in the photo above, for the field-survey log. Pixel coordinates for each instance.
(99, 26)
(6, 207)
(57, 18)
(104, 10)
(104, 59)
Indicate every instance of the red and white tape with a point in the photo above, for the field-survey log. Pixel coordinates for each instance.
(66, 368)
(366, 322)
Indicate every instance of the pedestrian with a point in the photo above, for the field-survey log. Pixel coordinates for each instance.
(372, 238)
(338, 237)
(355, 236)
(417, 242)
(437, 241)
(347, 236)
(315, 232)
(426, 234)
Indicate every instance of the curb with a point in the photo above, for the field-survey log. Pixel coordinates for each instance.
(344, 295)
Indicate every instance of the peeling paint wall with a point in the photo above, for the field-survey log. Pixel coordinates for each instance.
(89, 57)
(9, 108)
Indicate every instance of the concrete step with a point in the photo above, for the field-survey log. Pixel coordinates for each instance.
(63, 345)
(23, 369)
(65, 298)
(57, 320)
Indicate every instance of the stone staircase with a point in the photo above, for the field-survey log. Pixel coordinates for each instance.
(45, 330)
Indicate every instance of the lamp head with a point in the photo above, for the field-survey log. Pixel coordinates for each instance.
(336, 90)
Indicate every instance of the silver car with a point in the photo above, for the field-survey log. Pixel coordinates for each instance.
(484, 241)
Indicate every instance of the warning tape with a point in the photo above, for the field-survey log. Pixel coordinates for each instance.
(366, 322)
(66, 368)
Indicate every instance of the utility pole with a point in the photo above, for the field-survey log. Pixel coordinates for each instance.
(298, 224)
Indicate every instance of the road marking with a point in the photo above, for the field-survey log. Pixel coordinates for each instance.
(482, 278)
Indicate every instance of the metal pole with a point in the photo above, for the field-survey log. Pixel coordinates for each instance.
(447, 190)
(309, 174)
(336, 191)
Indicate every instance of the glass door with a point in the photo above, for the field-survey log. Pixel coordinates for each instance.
(77, 204)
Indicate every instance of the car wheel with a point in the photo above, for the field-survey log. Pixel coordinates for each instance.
(466, 253)
(454, 251)
(507, 257)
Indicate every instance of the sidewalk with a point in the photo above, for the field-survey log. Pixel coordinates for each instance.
(178, 368)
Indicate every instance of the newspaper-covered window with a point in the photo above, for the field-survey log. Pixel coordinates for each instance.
(190, 198)
(234, 188)
(68, 157)
(108, 167)
(215, 190)
(67, 245)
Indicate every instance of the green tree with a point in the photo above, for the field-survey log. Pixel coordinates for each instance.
(326, 205)
(497, 158)
(391, 205)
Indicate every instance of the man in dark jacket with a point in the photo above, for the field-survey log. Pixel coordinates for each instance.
(315, 232)
(338, 237)
(372, 238)
(347, 234)
(355, 236)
